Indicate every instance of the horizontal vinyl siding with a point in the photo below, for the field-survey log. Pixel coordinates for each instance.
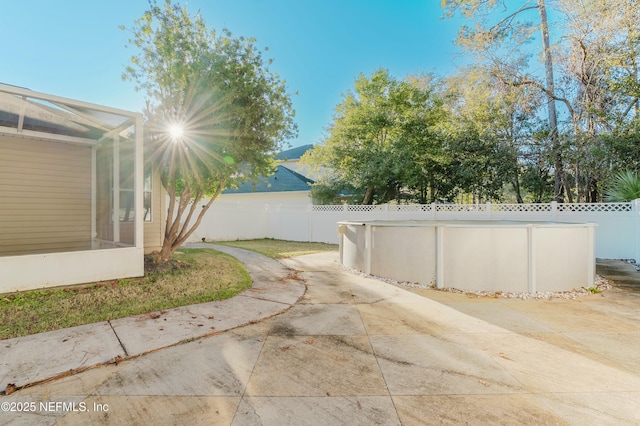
(45, 196)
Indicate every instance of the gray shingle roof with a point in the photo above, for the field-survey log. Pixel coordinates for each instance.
(293, 153)
(283, 180)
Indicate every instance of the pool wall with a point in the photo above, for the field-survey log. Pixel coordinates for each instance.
(503, 256)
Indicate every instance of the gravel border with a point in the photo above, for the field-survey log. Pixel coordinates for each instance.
(600, 284)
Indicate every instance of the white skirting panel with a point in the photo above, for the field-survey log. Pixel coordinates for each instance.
(34, 271)
(506, 256)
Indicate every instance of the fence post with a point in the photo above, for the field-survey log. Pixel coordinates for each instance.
(368, 242)
(591, 254)
(554, 211)
(440, 256)
(237, 222)
(531, 259)
(635, 208)
(433, 210)
(279, 211)
(310, 221)
(488, 210)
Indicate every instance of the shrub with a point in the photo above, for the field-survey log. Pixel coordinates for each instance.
(624, 187)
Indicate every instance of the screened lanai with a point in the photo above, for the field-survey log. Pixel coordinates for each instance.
(72, 191)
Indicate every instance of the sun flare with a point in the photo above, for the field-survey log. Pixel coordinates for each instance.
(176, 131)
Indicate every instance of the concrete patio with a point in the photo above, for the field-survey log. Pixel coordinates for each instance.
(354, 350)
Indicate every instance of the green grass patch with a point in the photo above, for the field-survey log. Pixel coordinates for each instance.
(194, 276)
(278, 249)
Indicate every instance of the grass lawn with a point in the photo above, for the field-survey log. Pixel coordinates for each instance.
(194, 276)
(278, 249)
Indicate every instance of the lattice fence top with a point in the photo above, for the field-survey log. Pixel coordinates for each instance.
(481, 208)
(327, 208)
(595, 207)
(410, 207)
(367, 208)
(461, 207)
(521, 207)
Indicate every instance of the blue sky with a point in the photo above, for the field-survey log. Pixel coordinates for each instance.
(74, 48)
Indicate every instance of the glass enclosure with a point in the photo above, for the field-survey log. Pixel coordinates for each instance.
(78, 167)
(115, 192)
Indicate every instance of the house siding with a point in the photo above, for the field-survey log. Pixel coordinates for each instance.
(45, 196)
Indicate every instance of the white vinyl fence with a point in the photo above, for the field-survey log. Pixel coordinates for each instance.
(617, 234)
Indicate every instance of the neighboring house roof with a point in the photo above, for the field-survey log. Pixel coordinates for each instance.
(283, 180)
(293, 153)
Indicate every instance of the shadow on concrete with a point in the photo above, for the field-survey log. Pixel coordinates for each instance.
(622, 273)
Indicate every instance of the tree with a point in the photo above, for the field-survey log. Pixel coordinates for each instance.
(382, 140)
(428, 173)
(600, 61)
(359, 147)
(215, 113)
(591, 70)
(489, 127)
(508, 35)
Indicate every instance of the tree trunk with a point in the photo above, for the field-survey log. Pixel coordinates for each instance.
(559, 185)
(593, 190)
(516, 188)
(178, 231)
(368, 196)
(164, 255)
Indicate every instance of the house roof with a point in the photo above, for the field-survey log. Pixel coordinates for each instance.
(293, 153)
(283, 180)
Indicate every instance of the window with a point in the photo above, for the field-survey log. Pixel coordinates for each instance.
(127, 202)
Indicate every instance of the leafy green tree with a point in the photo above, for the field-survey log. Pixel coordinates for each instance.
(328, 191)
(215, 113)
(591, 70)
(359, 147)
(537, 179)
(427, 173)
(622, 148)
(502, 44)
(488, 128)
(383, 140)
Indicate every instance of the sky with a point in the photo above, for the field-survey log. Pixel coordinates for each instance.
(75, 49)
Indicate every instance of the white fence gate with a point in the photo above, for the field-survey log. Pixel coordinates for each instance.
(617, 234)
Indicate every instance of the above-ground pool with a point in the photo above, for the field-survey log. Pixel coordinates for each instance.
(505, 256)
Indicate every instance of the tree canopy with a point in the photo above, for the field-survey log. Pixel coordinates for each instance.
(589, 53)
(383, 142)
(548, 110)
(229, 113)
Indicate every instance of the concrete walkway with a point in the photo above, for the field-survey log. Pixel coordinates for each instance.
(28, 360)
(622, 273)
(352, 350)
